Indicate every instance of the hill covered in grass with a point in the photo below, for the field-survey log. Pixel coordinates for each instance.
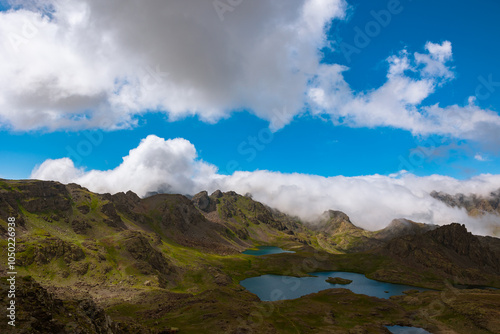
(102, 263)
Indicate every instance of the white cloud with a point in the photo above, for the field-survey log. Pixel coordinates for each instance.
(480, 157)
(371, 201)
(98, 64)
(399, 102)
(155, 165)
(79, 64)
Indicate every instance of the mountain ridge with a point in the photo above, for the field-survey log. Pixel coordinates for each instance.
(169, 253)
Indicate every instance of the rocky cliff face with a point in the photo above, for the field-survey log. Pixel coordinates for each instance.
(474, 204)
(449, 249)
(41, 312)
(401, 227)
(248, 219)
(206, 203)
(337, 233)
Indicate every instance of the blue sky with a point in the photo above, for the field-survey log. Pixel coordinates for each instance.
(312, 144)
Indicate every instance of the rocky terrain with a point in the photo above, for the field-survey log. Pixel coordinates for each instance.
(474, 204)
(487, 208)
(102, 263)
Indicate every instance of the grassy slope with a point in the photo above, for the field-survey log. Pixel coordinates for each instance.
(204, 292)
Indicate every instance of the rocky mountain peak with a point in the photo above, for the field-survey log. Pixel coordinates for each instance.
(204, 202)
(474, 204)
(456, 237)
(445, 248)
(217, 194)
(333, 221)
(401, 227)
(335, 216)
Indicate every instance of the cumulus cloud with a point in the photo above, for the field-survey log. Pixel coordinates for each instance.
(79, 64)
(399, 102)
(372, 201)
(156, 165)
(93, 64)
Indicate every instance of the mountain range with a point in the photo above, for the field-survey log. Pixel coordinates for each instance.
(102, 263)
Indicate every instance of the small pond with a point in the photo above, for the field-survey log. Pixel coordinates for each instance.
(265, 250)
(276, 287)
(406, 330)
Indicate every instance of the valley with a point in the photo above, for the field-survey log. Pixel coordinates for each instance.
(102, 263)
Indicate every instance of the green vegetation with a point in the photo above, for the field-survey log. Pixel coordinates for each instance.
(161, 263)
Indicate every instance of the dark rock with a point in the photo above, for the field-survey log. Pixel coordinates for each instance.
(37, 196)
(475, 205)
(149, 260)
(401, 227)
(80, 227)
(203, 202)
(45, 250)
(217, 194)
(114, 219)
(42, 312)
(338, 280)
(450, 249)
(84, 209)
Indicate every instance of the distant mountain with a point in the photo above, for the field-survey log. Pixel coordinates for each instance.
(449, 250)
(485, 207)
(402, 227)
(336, 233)
(248, 219)
(475, 205)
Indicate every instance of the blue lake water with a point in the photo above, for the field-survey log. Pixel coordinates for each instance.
(265, 250)
(406, 330)
(276, 287)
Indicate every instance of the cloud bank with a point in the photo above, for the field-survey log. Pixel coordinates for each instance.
(79, 64)
(371, 201)
(93, 64)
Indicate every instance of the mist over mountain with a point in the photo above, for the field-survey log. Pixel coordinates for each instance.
(158, 166)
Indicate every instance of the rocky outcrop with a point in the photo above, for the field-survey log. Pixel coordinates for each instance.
(43, 251)
(401, 227)
(148, 259)
(456, 238)
(474, 204)
(203, 202)
(114, 220)
(36, 196)
(332, 222)
(41, 312)
(234, 207)
(80, 226)
(450, 249)
(125, 202)
(337, 233)
(180, 221)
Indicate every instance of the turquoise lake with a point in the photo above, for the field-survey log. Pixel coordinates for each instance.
(406, 330)
(276, 287)
(265, 250)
